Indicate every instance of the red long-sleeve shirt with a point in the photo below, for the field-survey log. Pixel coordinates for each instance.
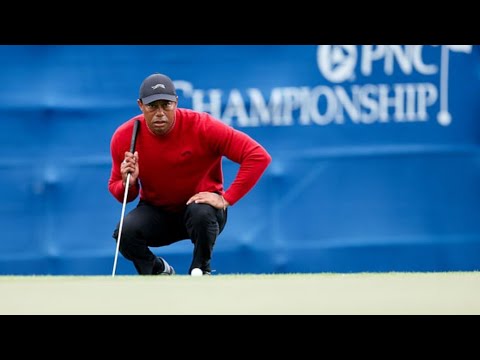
(186, 161)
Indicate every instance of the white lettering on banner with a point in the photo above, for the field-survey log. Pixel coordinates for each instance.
(338, 103)
(337, 64)
(321, 105)
(408, 59)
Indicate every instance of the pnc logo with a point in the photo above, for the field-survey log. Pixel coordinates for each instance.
(340, 63)
(337, 62)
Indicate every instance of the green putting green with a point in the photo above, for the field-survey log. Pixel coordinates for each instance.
(326, 293)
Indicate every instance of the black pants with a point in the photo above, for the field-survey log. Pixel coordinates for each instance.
(150, 226)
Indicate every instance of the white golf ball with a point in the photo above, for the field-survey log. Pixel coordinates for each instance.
(196, 272)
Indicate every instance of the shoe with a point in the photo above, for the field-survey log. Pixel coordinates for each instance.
(169, 270)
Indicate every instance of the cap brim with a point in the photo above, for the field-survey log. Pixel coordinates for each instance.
(155, 97)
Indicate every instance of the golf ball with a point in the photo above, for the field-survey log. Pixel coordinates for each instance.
(196, 272)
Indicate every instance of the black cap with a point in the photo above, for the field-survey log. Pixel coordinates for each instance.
(157, 87)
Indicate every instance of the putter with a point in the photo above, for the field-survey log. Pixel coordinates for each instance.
(132, 150)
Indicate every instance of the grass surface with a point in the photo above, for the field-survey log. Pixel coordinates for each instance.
(360, 293)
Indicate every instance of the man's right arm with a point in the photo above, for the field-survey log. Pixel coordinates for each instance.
(115, 183)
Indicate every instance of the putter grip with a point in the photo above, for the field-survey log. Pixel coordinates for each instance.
(134, 136)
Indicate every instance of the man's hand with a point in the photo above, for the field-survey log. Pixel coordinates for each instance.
(214, 199)
(130, 165)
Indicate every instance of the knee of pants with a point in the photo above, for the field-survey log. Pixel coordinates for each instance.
(199, 215)
(127, 237)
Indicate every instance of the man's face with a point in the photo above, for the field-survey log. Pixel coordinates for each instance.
(159, 115)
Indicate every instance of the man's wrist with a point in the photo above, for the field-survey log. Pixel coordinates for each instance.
(225, 203)
(134, 184)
